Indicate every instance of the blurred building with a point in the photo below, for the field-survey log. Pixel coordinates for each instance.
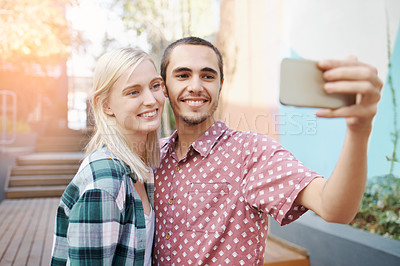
(79, 88)
(255, 35)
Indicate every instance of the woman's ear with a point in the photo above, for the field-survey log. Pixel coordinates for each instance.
(107, 109)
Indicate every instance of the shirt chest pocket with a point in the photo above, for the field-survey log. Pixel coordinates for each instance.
(206, 207)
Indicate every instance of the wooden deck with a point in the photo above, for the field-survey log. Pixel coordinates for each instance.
(27, 226)
(279, 252)
(26, 231)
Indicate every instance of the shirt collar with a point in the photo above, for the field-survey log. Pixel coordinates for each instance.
(169, 142)
(108, 154)
(204, 143)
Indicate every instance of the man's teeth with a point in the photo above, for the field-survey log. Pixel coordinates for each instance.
(149, 114)
(194, 102)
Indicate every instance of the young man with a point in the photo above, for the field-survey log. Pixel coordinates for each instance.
(215, 186)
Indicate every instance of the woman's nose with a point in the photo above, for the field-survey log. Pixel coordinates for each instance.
(148, 97)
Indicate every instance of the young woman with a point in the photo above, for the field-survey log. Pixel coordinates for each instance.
(105, 216)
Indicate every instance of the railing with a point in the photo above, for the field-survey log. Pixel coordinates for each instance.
(8, 110)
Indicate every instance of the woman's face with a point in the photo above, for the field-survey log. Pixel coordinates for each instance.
(137, 100)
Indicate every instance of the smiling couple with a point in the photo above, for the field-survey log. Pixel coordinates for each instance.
(203, 195)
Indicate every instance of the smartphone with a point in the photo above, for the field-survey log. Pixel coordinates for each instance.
(301, 84)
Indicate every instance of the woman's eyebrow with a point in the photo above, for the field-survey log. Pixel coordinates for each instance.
(130, 87)
(156, 78)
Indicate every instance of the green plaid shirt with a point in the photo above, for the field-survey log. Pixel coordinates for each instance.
(100, 218)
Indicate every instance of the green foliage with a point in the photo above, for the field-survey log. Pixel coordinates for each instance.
(395, 134)
(172, 123)
(168, 125)
(380, 208)
(164, 21)
(34, 31)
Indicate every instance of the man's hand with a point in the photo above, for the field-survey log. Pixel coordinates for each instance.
(338, 198)
(353, 77)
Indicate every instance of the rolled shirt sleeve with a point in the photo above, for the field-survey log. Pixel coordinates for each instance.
(273, 178)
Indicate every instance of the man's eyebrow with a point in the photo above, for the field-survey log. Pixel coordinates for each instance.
(209, 69)
(186, 69)
(181, 69)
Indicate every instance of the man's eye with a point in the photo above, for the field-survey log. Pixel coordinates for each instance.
(208, 77)
(182, 76)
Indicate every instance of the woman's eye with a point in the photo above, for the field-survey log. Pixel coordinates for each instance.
(156, 86)
(133, 93)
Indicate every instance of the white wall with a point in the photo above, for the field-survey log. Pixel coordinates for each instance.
(319, 29)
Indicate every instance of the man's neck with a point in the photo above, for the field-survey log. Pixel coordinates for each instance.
(187, 134)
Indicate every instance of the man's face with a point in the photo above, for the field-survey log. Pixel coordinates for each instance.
(193, 83)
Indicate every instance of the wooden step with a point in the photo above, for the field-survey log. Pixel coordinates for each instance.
(50, 158)
(59, 148)
(55, 161)
(44, 170)
(39, 180)
(63, 144)
(66, 136)
(63, 140)
(279, 252)
(67, 132)
(33, 192)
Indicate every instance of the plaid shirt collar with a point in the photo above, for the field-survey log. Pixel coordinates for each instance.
(111, 156)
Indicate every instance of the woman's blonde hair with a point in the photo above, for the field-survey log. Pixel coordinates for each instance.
(109, 68)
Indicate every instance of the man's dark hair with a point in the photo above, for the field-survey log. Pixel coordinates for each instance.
(192, 41)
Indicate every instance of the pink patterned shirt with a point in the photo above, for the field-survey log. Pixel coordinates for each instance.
(212, 206)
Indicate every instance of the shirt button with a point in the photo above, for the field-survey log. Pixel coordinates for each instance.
(167, 236)
(170, 202)
(177, 168)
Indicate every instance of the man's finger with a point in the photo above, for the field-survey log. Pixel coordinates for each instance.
(352, 58)
(327, 64)
(352, 73)
(365, 88)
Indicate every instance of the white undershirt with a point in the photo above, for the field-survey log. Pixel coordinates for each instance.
(149, 237)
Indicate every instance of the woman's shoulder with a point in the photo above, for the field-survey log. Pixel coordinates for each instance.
(101, 170)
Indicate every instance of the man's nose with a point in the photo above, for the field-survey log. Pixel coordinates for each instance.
(195, 85)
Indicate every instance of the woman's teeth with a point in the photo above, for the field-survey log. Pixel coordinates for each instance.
(149, 114)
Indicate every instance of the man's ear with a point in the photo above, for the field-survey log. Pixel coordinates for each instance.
(222, 82)
(107, 109)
